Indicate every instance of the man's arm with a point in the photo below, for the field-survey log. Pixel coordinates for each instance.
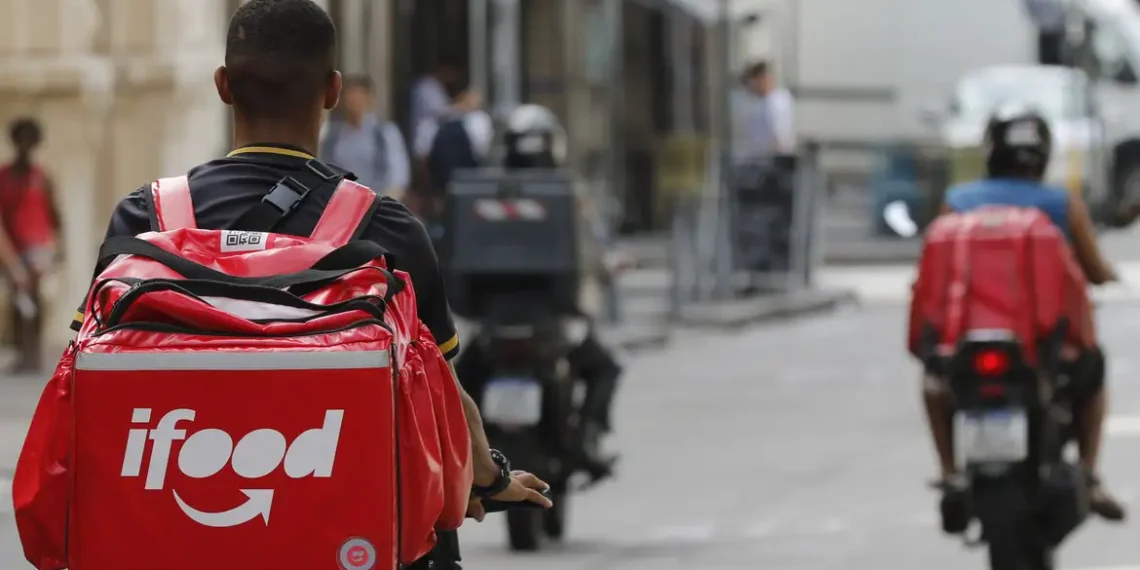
(486, 471)
(1097, 270)
(413, 253)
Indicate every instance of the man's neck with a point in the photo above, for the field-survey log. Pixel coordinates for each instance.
(22, 163)
(251, 134)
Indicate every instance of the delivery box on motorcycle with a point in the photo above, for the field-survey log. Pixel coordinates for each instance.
(242, 400)
(999, 269)
(518, 228)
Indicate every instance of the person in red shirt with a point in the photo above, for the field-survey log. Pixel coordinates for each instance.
(31, 223)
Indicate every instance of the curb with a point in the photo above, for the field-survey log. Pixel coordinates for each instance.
(743, 312)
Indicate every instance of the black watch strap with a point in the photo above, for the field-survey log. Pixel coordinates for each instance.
(501, 482)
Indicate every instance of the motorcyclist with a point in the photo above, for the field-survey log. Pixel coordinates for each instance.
(1018, 144)
(534, 138)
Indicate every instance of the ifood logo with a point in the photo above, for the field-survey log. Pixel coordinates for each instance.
(205, 452)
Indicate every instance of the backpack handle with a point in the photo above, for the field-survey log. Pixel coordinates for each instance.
(346, 259)
(170, 205)
(375, 306)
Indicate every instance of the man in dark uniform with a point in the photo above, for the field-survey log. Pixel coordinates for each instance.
(280, 76)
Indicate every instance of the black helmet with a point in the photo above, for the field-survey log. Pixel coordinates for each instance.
(534, 138)
(1018, 141)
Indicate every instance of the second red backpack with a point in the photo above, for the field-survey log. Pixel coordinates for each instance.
(999, 269)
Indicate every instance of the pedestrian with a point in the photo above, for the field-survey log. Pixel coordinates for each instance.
(429, 96)
(31, 222)
(279, 78)
(460, 138)
(767, 116)
(364, 144)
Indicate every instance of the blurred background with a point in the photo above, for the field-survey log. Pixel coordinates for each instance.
(808, 431)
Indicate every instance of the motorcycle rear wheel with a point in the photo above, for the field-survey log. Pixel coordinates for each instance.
(524, 529)
(1007, 530)
(554, 518)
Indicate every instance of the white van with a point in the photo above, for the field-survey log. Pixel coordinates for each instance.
(1103, 39)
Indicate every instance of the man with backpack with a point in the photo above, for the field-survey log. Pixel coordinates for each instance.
(1019, 145)
(364, 144)
(279, 77)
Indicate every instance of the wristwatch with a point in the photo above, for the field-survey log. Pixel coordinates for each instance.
(501, 482)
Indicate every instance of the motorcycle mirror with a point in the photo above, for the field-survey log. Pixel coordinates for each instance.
(897, 216)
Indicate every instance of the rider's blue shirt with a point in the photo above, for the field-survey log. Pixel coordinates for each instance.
(1052, 200)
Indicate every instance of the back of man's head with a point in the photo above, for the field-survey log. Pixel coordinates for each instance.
(280, 58)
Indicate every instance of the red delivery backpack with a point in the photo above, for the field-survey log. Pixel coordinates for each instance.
(241, 399)
(997, 268)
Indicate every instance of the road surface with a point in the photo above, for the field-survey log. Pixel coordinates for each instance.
(793, 446)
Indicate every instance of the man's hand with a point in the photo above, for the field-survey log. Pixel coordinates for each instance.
(19, 277)
(524, 487)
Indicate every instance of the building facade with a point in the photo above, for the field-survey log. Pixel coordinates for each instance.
(124, 92)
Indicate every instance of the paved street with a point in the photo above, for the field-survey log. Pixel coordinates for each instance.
(794, 446)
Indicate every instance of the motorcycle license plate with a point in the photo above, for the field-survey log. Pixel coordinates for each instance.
(512, 401)
(991, 436)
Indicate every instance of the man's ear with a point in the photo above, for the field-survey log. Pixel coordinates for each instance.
(332, 90)
(222, 82)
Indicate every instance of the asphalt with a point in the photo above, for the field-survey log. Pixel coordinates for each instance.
(798, 445)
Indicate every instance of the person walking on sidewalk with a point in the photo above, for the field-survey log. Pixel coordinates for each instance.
(366, 145)
(31, 222)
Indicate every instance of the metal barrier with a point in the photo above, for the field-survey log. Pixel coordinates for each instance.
(757, 233)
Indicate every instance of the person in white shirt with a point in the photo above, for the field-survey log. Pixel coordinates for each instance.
(367, 146)
(769, 122)
(429, 97)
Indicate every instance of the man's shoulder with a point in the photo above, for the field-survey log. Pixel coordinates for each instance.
(393, 222)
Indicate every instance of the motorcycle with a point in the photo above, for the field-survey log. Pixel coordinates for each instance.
(1012, 424)
(526, 394)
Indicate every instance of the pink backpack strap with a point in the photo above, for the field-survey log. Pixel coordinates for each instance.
(173, 209)
(347, 214)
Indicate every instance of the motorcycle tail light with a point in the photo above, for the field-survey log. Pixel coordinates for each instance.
(990, 363)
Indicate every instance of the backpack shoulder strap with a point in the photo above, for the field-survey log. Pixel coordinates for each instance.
(347, 214)
(286, 195)
(170, 204)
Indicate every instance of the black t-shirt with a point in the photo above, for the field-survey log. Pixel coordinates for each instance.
(224, 189)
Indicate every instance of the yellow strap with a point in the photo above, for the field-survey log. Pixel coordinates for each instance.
(270, 150)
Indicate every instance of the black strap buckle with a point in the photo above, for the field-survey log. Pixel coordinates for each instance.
(286, 194)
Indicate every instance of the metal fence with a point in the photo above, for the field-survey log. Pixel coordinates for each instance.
(759, 233)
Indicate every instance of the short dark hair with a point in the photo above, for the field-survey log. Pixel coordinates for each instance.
(756, 69)
(358, 81)
(279, 56)
(25, 127)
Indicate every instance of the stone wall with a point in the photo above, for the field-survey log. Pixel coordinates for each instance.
(125, 93)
